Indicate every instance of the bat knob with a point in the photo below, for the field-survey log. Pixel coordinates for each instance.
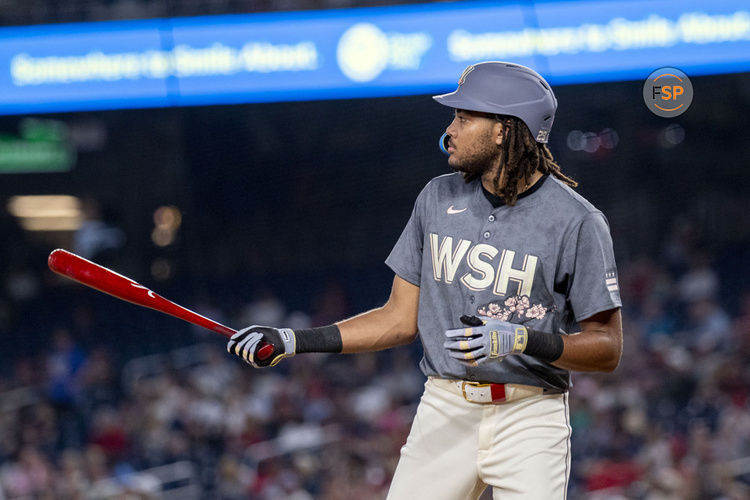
(264, 352)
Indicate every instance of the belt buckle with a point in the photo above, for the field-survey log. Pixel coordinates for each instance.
(475, 384)
(479, 384)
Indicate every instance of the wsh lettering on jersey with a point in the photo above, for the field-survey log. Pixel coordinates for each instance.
(489, 267)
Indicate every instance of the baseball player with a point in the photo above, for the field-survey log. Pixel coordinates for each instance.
(508, 277)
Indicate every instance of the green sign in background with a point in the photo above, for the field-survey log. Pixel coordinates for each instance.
(43, 146)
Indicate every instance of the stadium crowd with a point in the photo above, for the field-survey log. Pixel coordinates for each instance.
(79, 420)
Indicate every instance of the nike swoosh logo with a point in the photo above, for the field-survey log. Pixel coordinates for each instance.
(452, 210)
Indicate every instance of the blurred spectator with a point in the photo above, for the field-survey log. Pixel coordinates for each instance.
(265, 309)
(709, 327)
(72, 481)
(108, 434)
(30, 476)
(97, 239)
(680, 244)
(700, 282)
(63, 366)
(658, 326)
(234, 478)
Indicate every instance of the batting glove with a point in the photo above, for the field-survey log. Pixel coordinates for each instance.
(252, 343)
(485, 339)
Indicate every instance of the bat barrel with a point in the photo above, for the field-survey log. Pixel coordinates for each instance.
(105, 280)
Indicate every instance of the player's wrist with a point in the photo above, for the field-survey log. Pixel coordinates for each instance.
(288, 341)
(319, 339)
(543, 346)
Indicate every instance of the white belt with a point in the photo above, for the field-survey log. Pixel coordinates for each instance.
(476, 392)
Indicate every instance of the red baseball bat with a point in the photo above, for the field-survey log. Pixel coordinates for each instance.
(105, 280)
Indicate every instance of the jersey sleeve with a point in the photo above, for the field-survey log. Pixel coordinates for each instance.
(406, 257)
(588, 269)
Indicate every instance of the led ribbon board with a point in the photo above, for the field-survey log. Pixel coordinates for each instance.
(367, 52)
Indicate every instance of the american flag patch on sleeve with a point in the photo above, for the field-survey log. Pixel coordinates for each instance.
(610, 279)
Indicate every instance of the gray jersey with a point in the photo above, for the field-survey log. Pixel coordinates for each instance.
(546, 262)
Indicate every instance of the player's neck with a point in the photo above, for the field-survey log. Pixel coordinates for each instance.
(523, 185)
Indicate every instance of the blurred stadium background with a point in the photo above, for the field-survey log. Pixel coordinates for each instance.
(282, 213)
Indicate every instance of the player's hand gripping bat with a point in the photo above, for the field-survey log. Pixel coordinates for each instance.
(105, 280)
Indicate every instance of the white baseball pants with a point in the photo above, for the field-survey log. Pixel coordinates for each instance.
(457, 448)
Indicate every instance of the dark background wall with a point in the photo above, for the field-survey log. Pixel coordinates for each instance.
(292, 194)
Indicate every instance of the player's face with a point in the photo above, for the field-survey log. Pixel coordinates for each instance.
(473, 144)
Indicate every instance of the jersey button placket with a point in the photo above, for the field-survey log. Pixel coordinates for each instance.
(487, 234)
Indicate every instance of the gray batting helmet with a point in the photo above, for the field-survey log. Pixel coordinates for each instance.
(506, 89)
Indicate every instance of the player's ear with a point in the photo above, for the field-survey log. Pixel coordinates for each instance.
(497, 132)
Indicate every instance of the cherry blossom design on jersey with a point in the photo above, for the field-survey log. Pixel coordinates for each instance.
(517, 307)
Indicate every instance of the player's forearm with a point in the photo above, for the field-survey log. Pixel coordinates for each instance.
(375, 330)
(598, 347)
(591, 351)
(382, 328)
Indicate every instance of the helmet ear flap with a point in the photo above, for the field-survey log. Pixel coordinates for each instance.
(443, 143)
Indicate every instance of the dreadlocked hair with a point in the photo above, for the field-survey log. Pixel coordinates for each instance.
(520, 157)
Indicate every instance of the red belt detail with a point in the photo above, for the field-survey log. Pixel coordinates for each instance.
(497, 391)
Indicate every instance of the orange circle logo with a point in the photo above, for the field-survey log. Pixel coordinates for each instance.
(668, 92)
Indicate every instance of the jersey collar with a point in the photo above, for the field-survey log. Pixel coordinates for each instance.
(497, 201)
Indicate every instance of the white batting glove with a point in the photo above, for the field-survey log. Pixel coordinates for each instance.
(485, 339)
(263, 346)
